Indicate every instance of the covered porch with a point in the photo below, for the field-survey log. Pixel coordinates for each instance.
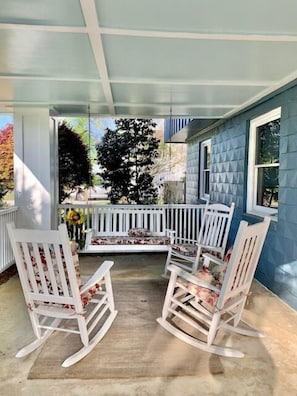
(268, 367)
(200, 61)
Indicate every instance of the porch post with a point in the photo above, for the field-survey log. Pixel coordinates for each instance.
(35, 168)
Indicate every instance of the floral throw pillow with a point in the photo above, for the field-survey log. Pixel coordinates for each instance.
(139, 232)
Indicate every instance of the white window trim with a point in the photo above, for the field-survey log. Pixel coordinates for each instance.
(203, 195)
(252, 207)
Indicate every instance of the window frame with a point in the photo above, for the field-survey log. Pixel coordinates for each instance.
(252, 176)
(203, 170)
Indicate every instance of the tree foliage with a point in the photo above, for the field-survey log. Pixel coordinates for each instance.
(74, 163)
(267, 154)
(83, 127)
(126, 156)
(6, 160)
(172, 156)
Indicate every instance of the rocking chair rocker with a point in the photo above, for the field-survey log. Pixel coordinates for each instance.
(212, 238)
(48, 269)
(198, 305)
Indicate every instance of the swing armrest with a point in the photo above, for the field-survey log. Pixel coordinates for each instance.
(88, 240)
(171, 234)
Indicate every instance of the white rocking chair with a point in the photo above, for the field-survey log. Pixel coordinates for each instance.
(198, 305)
(212, 237)
(49, 274)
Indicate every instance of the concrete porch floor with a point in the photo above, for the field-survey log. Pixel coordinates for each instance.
(269, 369)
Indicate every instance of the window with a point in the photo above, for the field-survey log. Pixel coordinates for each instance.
(263, 163)
(205, 160)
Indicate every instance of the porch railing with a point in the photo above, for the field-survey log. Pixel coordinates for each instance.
(184, 219)
(6, 256)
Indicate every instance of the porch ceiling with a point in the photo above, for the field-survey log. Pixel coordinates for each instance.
(137, 58)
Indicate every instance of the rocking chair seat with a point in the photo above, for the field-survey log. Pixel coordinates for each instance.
(212, 275)
(186, 249)
(201, 293)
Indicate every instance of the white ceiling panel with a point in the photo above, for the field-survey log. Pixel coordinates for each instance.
(200, 16)
(168, 60)
(136, 58)
(183, 94)
(34, 90)
(44, 13)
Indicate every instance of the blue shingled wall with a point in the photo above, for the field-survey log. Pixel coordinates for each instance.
(276, 269)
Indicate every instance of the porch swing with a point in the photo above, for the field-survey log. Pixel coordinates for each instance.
(125, 228)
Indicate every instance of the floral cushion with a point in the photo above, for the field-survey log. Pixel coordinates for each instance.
(202, 293)
(126, 240)
(139, 232)
(190, 250)
(186, 249)
(85, 297)
(214, 276)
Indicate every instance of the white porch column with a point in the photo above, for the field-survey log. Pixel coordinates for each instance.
(35, 168)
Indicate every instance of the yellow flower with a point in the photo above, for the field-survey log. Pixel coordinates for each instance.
(75, 217)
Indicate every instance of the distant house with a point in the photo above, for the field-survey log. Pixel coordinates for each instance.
(251, 159)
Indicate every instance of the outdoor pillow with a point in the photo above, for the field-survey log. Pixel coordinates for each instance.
(139, 232)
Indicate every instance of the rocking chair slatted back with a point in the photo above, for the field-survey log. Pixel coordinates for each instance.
(215, 226)
(244, 259)
(212, 237)
(47, 268)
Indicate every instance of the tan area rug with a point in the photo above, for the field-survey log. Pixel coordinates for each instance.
(135, 346)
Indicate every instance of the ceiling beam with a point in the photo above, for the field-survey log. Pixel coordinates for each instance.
(92, 25)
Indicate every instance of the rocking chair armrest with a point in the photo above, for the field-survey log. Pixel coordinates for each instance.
(97, 276)
(209, 258)
(191, 278)
(209, 247)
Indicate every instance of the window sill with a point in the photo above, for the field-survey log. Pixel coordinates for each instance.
(255, 216)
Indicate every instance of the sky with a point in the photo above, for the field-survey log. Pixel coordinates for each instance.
(5, 119)
(105, 123)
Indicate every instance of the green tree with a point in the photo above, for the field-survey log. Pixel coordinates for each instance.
(126, 156)
(74, 163)
(6, 160)
(82, 126)
(267, 154)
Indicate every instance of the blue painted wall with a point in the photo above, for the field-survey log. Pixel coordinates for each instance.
(277, 269)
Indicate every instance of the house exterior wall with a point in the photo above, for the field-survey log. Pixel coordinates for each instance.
(192, 172)
(277, 268)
